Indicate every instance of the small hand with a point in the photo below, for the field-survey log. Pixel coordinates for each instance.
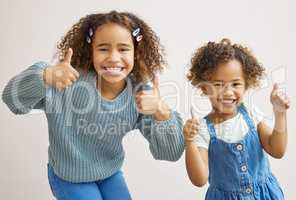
(149, 101)
(279, 99)
(61, 75)
(191, 128)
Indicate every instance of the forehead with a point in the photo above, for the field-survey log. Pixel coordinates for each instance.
(112, 33)
(228, 71)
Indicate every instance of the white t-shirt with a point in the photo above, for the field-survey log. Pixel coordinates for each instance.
(232, 130)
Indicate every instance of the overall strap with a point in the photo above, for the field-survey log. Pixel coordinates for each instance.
(242, 109)
(211, 127)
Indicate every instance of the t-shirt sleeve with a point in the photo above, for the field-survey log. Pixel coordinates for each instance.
(256, 114)
(203, 137)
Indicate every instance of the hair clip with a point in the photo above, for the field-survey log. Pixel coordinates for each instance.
(139, 38)
(89, 35)
(90, 32)
(88, 40)
(136, 34)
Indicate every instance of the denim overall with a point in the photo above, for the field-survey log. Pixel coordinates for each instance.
(240, 171)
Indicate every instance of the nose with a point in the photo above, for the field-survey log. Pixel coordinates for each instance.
(228, 90)
(114, 56)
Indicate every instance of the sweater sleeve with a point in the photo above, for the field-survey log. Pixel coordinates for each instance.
(26, 91)
(165, 138)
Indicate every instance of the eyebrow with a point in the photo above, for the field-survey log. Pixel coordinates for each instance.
(237, 79)
(107, 44)
(102, 44)
(124, 44)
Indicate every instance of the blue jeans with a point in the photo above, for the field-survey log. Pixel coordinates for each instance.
(111, 188)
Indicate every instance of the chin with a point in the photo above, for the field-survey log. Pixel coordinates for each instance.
(227, 110)
(114, 79)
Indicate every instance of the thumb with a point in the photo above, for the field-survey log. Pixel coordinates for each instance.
(275, 88)
(193, 115)
(156, 80)
(68, 56)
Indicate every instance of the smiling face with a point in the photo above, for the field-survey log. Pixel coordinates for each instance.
(226, 88)
(113, 53)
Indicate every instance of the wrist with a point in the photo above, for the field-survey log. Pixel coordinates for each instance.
(189, 143)
(278, 113)
(46, 74)
(162, 113)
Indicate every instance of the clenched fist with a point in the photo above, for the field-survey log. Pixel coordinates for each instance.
(149, 102)
(61, 75)
(191, 128)
(279, 99)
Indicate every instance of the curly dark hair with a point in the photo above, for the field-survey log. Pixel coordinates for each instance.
(206, 59)
(149, 54)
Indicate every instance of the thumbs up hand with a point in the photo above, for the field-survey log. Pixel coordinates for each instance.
(149, 102)
(191, 128)
(279, 99)
(61, 75)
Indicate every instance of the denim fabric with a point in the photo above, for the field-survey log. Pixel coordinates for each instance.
(240, 171)
(112, 188)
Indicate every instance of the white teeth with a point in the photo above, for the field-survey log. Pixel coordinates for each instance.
(227, 101)
(113, 69)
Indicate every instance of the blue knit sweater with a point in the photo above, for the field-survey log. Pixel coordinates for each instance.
(86, 130)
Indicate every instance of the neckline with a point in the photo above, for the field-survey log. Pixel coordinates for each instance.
(127, 89)
(238, 114)
(243, 112)
(239, 107)
(241, 141)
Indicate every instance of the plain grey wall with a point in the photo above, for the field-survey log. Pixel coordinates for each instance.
(30, 29)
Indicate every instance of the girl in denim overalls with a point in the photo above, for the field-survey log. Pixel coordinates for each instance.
(227, 147)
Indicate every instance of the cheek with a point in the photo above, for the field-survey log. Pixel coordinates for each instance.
(97, 63)
(129, 60)
(96, 57)
(213, 93)
(240, 93)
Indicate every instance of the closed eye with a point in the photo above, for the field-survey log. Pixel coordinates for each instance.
(237, 84)
(124, 49)
(218, 84)
(103, 49)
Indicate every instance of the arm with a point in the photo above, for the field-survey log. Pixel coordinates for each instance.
(26, 91)
(196, 158)
(274, 141)
(159, 125)
(197, 164)
(165, 137)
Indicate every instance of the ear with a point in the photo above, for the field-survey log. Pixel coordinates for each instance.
(204, 90)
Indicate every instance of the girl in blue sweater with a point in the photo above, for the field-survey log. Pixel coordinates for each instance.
(92, 98)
